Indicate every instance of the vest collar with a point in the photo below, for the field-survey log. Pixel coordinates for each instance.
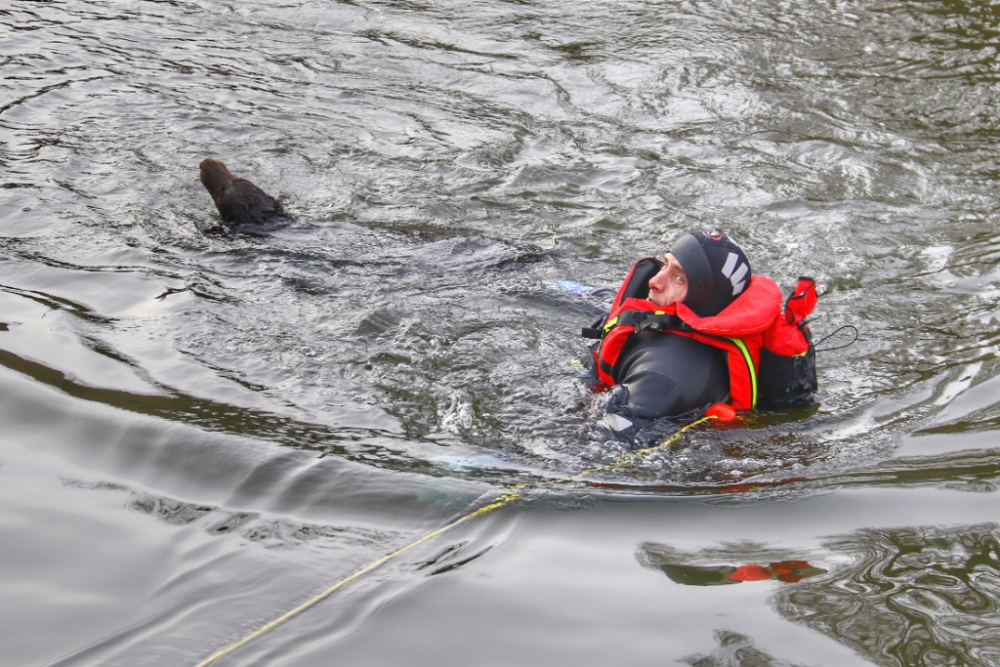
(751, 313)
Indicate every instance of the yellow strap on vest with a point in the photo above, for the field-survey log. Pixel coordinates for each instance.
(750, 368)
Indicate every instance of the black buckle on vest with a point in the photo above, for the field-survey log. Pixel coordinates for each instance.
(644, 320)
(640, 320)
(596, 330)
(666, 323)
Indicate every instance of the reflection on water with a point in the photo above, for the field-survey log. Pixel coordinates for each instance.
(912, 596)
(726, 565)
(720, 575)
(735, 650)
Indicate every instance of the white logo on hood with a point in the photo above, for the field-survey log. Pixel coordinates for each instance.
(734, 273)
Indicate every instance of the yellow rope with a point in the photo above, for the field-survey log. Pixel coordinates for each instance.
(629, 458)
(505, 499)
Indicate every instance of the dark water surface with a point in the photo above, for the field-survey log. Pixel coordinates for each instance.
(200, 432)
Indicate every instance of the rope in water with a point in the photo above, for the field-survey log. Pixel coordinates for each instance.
(501, 501)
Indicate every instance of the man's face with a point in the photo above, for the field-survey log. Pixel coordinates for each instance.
(670, 284)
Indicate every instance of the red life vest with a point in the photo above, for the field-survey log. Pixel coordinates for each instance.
(751, 326)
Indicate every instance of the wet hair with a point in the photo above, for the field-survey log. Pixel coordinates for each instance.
(717, 271)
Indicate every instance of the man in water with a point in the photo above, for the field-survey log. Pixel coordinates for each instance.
(692, 330)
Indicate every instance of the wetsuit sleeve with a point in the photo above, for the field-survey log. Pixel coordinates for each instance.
(667, 375)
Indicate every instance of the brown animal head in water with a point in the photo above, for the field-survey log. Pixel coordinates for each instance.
(240, 202)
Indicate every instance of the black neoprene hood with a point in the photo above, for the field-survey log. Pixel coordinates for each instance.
(717, 271)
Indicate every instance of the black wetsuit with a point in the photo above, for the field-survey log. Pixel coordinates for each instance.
(667, 375)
